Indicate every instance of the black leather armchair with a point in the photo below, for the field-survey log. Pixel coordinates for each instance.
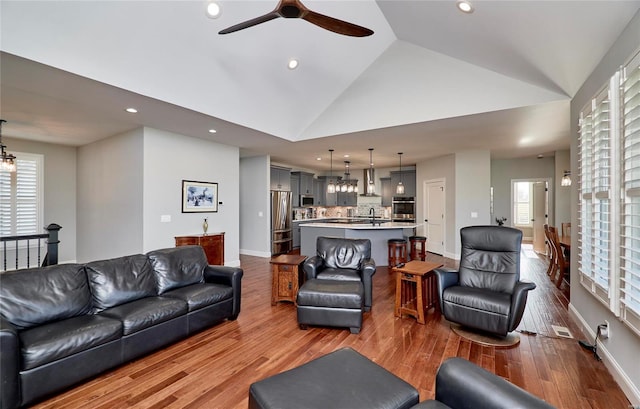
(462, 385)
(486, 293)
(343, 259)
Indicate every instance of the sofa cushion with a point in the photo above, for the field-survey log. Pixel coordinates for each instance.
(201, 295)
(120, 280)
(343, 253)
(33, 297)
(146, 312)
(177, 267)
(50, 342)
(345, 274)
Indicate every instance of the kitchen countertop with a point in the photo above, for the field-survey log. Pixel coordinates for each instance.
(361, 226)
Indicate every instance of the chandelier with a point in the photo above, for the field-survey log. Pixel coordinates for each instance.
(8, 160)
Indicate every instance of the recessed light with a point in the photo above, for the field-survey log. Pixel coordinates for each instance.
(293, 64)
(131, 110)
(465, 7)
(318, 158)
(212, 131)
(346, 156)
(213, 9)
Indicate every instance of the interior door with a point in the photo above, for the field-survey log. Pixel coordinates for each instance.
(539, 215)
(434, 216)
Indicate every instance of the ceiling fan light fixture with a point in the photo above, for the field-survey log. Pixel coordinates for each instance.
(566, 179)
(213, 9)
(293, 64)
(465, 7)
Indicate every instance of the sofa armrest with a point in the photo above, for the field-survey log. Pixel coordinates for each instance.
(445, 278)
(367, 271)
(9, 365)
(312, 266)
(461, 384)
(231, 276)
(518, 302)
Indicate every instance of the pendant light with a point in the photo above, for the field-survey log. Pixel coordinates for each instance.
(331, 187)
(400, 187)
(8, 160)
(370, 189)
(347, 187)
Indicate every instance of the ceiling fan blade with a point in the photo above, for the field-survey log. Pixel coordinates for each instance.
(250, 23)
(335, 25)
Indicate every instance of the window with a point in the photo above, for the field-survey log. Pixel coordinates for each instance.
(609, 195)
(522, 209)
(20, 197)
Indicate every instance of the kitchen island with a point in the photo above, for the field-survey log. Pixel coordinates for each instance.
(377, 233)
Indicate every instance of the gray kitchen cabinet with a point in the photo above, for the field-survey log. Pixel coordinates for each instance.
(295, 192)
(296, 233)
(408, 180)
(327, 199)
(305, 182)
(280, 178)
(348, 199)
(386, 191)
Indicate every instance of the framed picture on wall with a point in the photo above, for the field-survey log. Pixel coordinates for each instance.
(199, 197)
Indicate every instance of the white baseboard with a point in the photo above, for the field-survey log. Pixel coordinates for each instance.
(234, 263)
(255, 253)
(452, 256)
(621, 378)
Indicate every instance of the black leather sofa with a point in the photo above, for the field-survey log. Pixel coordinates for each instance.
(62, 324)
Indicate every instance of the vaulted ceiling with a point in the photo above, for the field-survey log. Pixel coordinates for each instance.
(430, 81)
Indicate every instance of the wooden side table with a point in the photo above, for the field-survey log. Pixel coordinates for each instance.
(213, 245)
(286, 277)
(415, 288)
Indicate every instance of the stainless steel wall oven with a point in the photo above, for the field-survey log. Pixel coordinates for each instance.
(403, 209)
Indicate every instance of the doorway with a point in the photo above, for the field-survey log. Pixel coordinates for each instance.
(530, 209)
(434, 215)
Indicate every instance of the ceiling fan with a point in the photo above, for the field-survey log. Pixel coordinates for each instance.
(295, 9)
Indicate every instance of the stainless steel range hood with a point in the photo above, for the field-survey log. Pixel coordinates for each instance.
(369, 183)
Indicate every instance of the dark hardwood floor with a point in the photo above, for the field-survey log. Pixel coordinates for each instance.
(213, 369)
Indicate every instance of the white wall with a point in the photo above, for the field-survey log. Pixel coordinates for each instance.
(110, 197)
(562, 194)
(59, 190)
(255, 203)
(170, 158)
(439, 168)
(503, 171)
(620, 352)
(472, 191)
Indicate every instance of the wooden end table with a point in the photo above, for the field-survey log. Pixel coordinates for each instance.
(286, 280)
(415, 284)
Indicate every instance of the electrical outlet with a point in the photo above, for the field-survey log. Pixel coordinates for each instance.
(603, 329)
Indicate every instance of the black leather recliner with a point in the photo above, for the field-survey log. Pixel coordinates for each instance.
(486, 293)
(343, 259)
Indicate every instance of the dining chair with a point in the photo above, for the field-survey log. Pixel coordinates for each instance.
(566, 229)
(550, 251)
(562, 266)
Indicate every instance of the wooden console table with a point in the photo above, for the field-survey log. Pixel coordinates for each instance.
(213, 245)
(286, 269)
(415, 288)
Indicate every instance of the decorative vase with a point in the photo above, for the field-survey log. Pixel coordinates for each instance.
(205, 226)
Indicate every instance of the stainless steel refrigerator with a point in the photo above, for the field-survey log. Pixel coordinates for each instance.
(281, 233)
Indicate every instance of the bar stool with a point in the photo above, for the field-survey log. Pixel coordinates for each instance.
(397, 251)
(418, 246)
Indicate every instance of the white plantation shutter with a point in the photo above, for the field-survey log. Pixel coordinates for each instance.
(630, 217)
(20, 197)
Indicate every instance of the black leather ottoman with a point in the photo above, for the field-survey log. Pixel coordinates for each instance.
(343, 379)
(334, 303)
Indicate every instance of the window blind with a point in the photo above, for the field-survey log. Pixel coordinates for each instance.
(20, 192)
(630, 217)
